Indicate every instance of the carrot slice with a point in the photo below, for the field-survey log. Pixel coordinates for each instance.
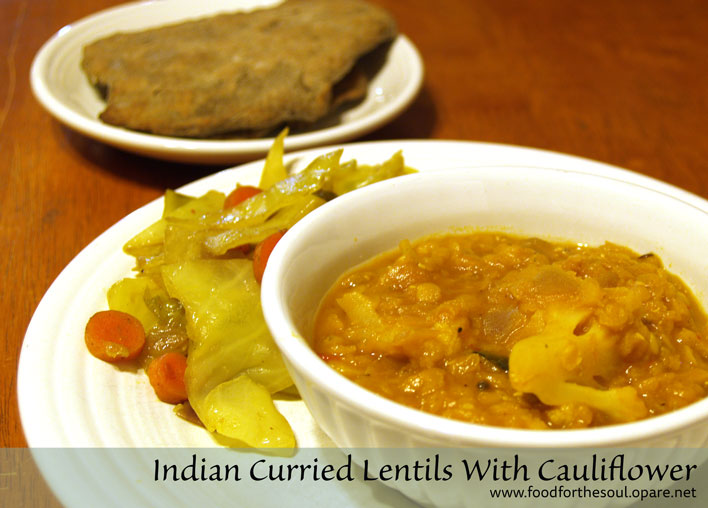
(166, 375)
(239, 194)
(262, 253)
(113, 336)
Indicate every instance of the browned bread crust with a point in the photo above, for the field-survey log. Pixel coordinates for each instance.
(233, 72)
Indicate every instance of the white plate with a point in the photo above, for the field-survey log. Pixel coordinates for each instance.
(63, 89)
(69, 399)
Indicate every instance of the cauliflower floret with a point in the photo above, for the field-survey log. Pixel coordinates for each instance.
(560, 367)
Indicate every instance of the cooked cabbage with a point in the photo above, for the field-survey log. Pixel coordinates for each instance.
(229, 340)
(187, 263)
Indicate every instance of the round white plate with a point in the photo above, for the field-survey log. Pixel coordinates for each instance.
(63, 89)
(69, 399)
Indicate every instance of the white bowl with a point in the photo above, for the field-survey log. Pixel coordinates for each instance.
(549, 203)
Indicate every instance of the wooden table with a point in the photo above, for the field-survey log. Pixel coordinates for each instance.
(623, 82)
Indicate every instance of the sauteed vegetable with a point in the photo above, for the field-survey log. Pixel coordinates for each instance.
(196, 293)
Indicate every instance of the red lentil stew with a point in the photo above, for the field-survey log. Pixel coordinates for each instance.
(518, 332)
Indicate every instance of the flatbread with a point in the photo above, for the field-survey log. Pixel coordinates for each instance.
(237, 72)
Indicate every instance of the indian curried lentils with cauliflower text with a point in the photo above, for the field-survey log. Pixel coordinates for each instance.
(518, 332)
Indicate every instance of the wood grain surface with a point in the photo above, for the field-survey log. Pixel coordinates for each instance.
(623, 82)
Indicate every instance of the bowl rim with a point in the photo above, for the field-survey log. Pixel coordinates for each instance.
(299, 355)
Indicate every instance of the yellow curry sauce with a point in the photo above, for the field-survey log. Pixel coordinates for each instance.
(518, 332)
